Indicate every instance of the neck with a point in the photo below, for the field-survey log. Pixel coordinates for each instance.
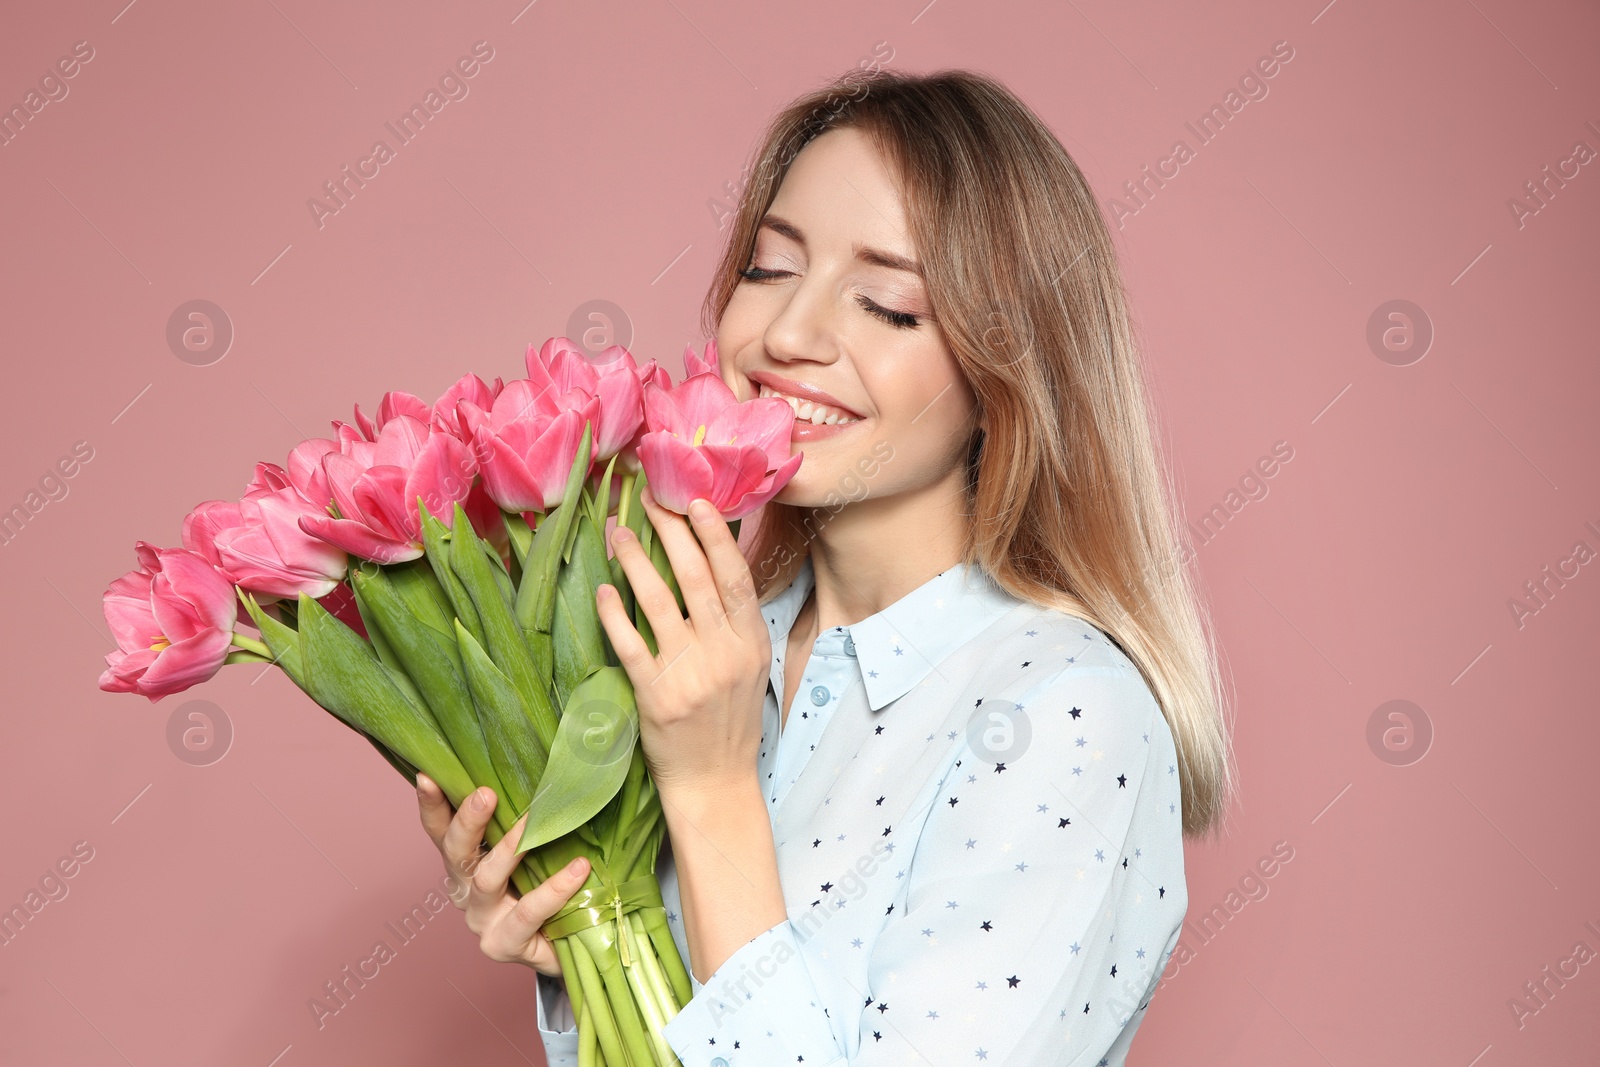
(873, 552)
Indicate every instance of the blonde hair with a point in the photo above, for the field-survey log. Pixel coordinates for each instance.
(1071, 503)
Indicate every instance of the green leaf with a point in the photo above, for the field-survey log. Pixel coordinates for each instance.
(600, 504)
(345, 676)
(502, 637)
(521, 535)
(515, 751)
(433, 663)
(497, 568)
(380, 644)
(283, 641)
(578, 636)
(590, 759)
(536, 597)
(436, 548)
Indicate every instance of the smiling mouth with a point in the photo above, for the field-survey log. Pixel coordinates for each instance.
(810, 411)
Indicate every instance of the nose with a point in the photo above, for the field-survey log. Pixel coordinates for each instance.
(803, 330)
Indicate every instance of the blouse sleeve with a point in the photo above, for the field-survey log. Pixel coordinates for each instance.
(555, 1010)
(1033, 924)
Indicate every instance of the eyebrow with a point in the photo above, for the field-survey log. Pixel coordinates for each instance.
(876, 256)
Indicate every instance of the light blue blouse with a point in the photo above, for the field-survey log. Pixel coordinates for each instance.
(976, 808)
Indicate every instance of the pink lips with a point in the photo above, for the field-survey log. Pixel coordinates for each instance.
(801, 390)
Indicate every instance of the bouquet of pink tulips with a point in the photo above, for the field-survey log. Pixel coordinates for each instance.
(429, 578)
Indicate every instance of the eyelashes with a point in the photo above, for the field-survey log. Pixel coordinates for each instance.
(899, 319)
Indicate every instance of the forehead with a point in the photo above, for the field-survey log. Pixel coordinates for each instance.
(841, 186)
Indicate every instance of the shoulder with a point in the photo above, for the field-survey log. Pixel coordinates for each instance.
(1050, 647)
(1068, 675)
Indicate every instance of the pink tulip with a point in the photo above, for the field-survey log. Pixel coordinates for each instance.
(651, 374)
(173, 620)
(441, 415)
(375, 486)
(561, 371)
(305, 471)
(258, 544)
(527, 442)
(693, 364)
(703, 443)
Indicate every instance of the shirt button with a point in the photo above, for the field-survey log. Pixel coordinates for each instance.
(819, 695)
(849, 646)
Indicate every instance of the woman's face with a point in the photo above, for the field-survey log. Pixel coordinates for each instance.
(833, 300)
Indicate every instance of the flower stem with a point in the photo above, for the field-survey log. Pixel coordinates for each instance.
(636, 1045)
(627, 493)
(569, 975)
(588, 1047)
(594, 998)
(654, 993)
(250, 644)
(666, 947)
(644, 992)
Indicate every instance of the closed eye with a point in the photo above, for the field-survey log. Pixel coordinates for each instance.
(900, 319)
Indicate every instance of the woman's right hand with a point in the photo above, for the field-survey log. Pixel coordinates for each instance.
(507, 926)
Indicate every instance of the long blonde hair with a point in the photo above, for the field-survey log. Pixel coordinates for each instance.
(1071, 502)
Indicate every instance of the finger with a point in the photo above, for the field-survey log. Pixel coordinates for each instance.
(461, 840)
(435, 809)
(730, 570)
(626, 642)
(655, 599)
(488, 885)
(517, 929)
(689, 564)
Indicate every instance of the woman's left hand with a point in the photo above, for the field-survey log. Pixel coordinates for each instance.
(701, 695)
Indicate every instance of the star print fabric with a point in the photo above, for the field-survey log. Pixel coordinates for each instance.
(979, 831)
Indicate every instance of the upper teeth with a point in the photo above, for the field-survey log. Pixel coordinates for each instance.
(813, 412)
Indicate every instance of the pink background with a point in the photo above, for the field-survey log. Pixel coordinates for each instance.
(1419, 499)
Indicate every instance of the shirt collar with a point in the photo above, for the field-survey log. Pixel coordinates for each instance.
(905, 642)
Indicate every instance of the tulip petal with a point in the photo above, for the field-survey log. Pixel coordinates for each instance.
(442, 475)
(400, 442)
(305, 470)
(127, 610)
(356, 539)
(381, 495)
(770, 488)
(735, 472)
(208, 597)
(399, 403)
(766, 423)
(185, 663)
(676, 471)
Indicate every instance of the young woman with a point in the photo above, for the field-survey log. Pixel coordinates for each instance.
(928, 749)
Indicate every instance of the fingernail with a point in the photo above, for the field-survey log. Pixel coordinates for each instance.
(575, 867)
(621, 534)
(480, 799)
(700, 510)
